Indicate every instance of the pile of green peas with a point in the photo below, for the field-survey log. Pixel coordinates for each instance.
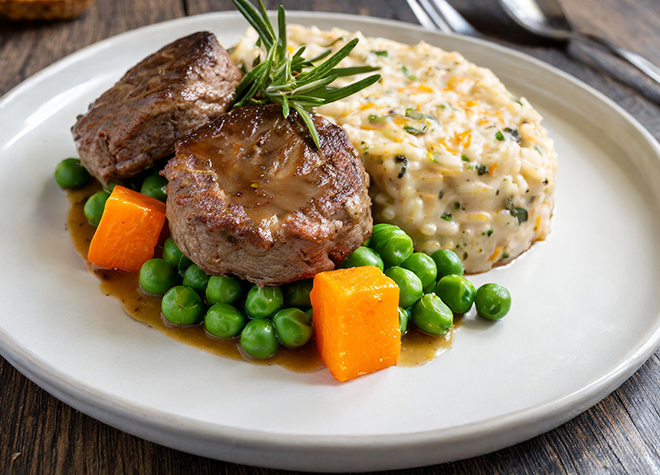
(263, 318)
(431, 288)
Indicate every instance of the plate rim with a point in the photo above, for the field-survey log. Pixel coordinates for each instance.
(119, 413)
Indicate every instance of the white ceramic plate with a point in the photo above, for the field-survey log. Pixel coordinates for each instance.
(585, 314)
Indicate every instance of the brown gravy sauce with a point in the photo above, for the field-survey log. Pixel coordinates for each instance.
(277, 181)
(417, 348)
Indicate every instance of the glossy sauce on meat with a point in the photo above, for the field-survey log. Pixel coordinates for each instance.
(417, 348)
(274, 182)
(250, 195)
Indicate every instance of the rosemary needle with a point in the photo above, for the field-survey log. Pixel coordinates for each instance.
(290, 80)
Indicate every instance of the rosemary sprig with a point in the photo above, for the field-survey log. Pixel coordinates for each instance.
(291, 80)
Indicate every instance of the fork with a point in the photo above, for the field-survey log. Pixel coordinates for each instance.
(438, 14)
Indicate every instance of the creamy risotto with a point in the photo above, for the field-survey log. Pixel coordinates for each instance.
(455, 159)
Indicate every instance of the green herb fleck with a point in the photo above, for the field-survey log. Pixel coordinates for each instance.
(407, 74)
(415, 131)
(519, 213)
(441, 194)
(538, 149)
(505, 255)
(457, 205)
(514, 134)
(489, 233)
(377, 119)
(464, 158)
(403, 160)
(383, 54)
(446, 216)
(465, 255)
(499, 136)
(482, 169)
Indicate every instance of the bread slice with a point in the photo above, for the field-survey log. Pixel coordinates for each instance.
(43, 9)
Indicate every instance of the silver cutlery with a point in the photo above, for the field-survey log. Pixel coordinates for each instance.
(439, 14)
(546, 18)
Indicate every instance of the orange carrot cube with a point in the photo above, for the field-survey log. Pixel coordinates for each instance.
(128, 231)
(356, 321)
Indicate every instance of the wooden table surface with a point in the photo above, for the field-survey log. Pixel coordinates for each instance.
(39, 434)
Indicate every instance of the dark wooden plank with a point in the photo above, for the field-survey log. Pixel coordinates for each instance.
(390, 9)
(39, 434)
(26, 48)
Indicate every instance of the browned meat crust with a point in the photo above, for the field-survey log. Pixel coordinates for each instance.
(160, 100)
(250, 195)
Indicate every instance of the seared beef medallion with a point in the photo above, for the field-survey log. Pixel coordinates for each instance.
(250, 195)
(160, 100)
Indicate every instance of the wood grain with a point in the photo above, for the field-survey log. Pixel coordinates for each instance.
(28, 47)
(39, 434)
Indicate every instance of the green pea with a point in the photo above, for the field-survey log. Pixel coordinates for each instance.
(457, 292)
(296, 294)
(493, 301)
(404, 316)
(292, 327)
(410, 287)
(258, 338)
(363, 256)
(94, 207)
(155, 186)
(69, 173)
(181, 305)
(424, 267)
(392, 244)
(222, 289)
(173, 255)
(380, 227)
(196, 278)
(224, 321)
(263, 302)
(448, 263)
(432, 316)
(157, 276)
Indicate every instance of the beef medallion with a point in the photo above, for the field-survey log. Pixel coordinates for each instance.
(250, 195)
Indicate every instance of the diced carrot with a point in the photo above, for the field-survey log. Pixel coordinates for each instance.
(128, 232)
(464, 138)
(425, 88)
(356, 321)
(496, 253)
